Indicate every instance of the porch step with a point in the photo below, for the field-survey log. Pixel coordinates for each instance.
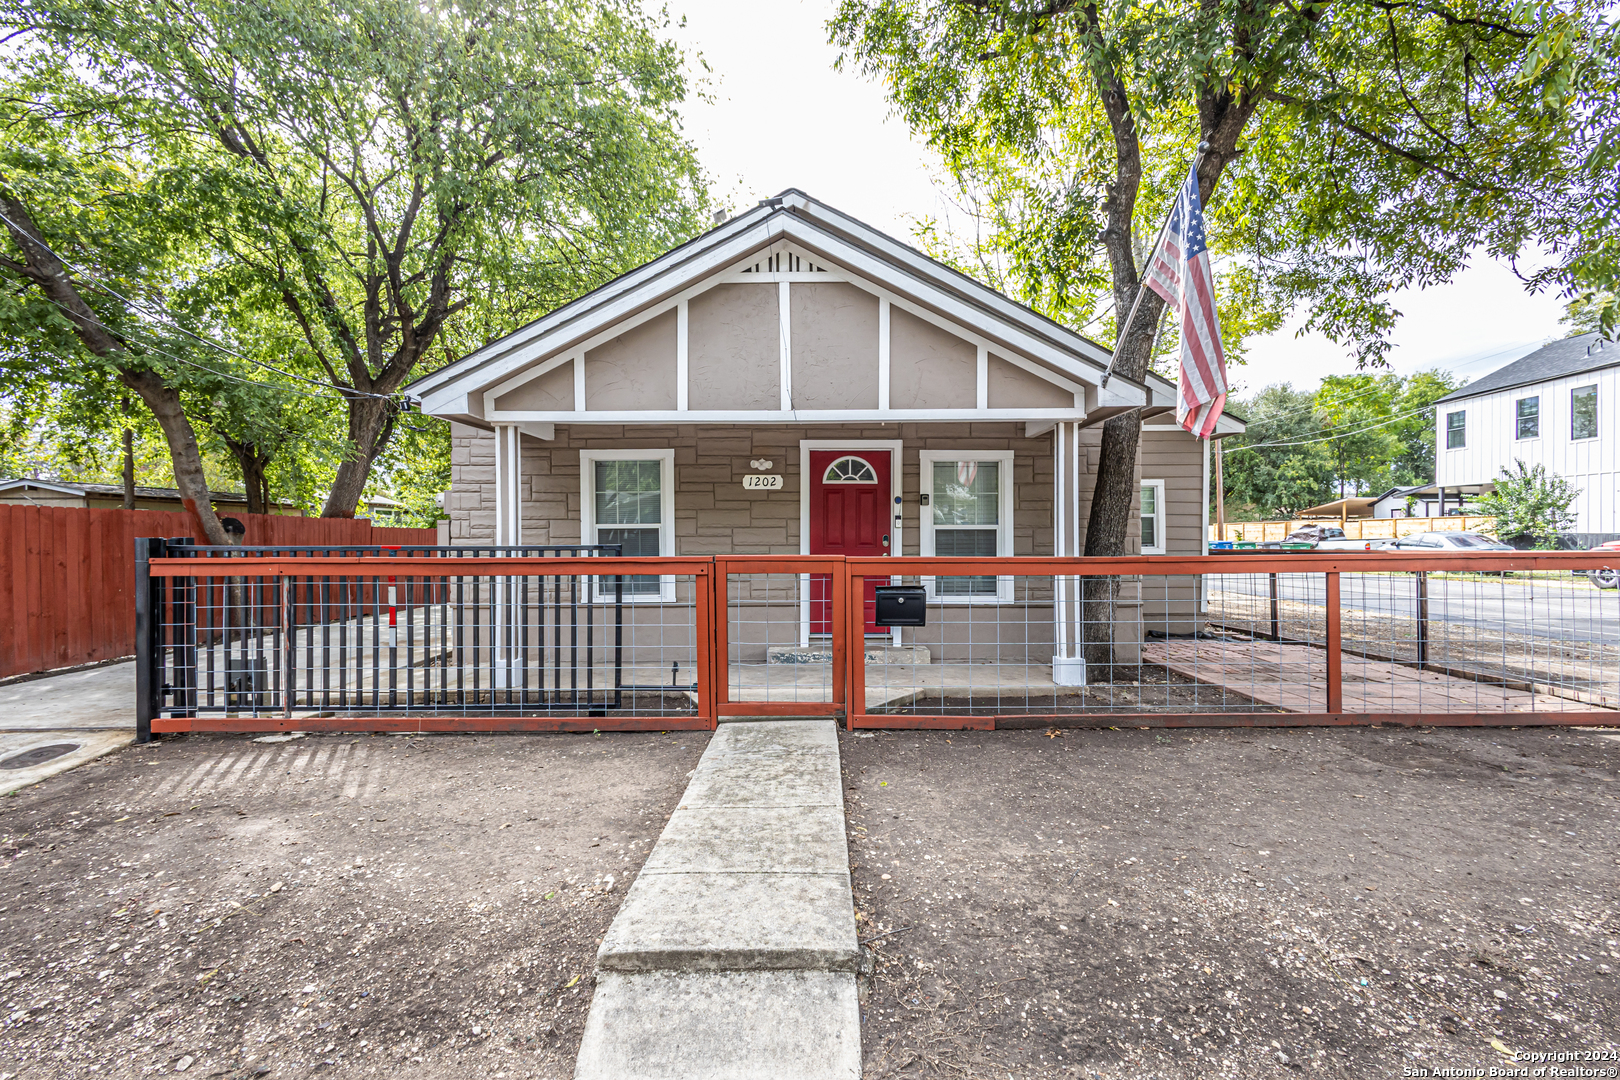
(822, 654)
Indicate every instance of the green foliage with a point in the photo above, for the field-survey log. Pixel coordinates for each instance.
(353, 191)
(1355, 435)
(1279, 465)
(1529, 506)
(1373, 146)
(415, 471)
(1585, 314)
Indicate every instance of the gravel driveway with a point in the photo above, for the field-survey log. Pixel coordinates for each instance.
(348, 905)
(1319, 902)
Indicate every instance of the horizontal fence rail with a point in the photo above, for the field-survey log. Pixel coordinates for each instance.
(578, 638)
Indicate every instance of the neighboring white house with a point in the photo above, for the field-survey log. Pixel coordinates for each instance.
(1554, 407)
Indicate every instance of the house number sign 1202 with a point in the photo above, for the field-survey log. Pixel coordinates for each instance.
(762, 483)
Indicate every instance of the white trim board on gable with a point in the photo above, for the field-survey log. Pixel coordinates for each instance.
(811, 243)
(1065, 397)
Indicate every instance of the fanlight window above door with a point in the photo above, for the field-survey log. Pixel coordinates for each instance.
(850, 470)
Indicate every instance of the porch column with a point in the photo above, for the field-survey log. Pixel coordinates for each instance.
(508, 531)
(508, 477)
(1068, 657)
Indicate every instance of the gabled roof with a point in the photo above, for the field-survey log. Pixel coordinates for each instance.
(1571, 356)
(842, 239)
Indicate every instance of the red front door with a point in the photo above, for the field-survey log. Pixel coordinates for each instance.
(849, 515)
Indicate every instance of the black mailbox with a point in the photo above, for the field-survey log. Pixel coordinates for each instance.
(901, 605)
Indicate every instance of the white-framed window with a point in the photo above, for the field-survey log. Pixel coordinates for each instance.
(1527, 418)
(627, 497)
(1583, 422)
(1152, 508)
(1456, 430)
(850, 469)
(969, 513)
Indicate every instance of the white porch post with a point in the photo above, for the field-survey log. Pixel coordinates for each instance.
(508, 531)
(1068, 658)
(508, 475)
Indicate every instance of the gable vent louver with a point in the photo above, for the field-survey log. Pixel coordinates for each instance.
(784, 262)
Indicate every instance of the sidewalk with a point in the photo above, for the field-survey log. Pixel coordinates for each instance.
(91, 710)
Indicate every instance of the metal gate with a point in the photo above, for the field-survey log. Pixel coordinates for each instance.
(249, 638)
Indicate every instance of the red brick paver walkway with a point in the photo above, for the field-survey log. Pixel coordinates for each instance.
(1294, 678)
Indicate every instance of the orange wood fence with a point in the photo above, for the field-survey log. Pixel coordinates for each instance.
(67, 574)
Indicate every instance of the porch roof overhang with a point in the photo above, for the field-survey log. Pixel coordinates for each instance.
(461, 390)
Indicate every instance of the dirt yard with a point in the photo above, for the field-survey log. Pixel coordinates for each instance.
(353, 905)
(1320, 902)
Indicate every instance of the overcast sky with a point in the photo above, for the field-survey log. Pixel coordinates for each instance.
(781, 117)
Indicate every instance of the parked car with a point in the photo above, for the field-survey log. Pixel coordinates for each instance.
(1604, 579)
(1329, 538)
(1450, 542)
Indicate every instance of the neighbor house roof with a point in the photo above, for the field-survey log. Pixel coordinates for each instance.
(64, 487)
(1354, 506)
(1571, 356)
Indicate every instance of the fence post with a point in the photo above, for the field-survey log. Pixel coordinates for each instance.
(703, 630)
(855, 644)
(1422, 618)
(1335, 676)
(148, 637)
(1276, 611)
(288, 664)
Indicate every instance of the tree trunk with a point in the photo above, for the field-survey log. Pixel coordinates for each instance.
(45, 271)
(253, 464)
(164, 401)
(129, 469)
(371, 425)
(1113, 499)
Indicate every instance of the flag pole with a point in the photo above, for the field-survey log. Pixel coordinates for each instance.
(1141, 286)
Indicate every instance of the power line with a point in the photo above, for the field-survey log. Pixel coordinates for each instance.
(168, 317)
(1341, 434)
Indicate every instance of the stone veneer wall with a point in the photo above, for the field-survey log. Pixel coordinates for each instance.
(713, 514)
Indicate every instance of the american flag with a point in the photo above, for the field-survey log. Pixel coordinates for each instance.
(1179, 271)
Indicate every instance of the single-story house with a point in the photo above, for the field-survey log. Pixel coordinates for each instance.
(28, 492)
(794, 381)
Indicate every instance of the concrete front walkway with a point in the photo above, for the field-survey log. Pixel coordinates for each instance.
(92, 710)
(734, 955)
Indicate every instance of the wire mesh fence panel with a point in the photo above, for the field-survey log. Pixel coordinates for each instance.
(1010, 645)
(779, 640)
(1342, 639)
(533, 642)
(1443, 641)
(497, 635)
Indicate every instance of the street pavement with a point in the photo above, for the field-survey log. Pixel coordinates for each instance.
(92, 710)
(1569, 611)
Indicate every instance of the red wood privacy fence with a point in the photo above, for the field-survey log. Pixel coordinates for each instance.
(67, 574)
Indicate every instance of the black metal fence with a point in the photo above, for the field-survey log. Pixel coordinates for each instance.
(371, 642)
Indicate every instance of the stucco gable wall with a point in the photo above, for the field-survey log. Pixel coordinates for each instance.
(929, 368)
(834, 343)
(734, 349)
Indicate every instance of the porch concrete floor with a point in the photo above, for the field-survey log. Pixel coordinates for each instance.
(891, 685)
(1294, 678)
